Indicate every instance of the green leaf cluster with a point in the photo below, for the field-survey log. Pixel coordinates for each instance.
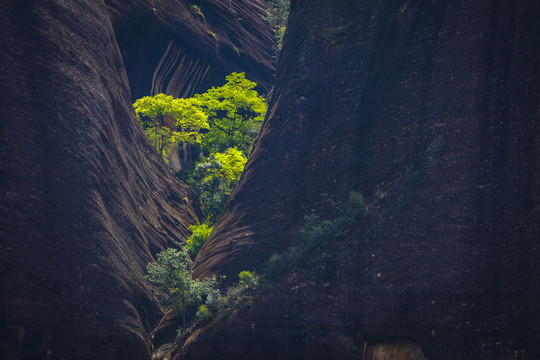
(214, 178)
(230, 115)
(235, 112)
(177, 290)
(168, 121)
(200, 299)
(241, 294)
(317, 233)
(200, 232)
(277, 15)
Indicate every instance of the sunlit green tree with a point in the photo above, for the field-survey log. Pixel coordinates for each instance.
(168, 121)
(235, 112)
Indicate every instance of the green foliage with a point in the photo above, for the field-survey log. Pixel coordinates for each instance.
(170, 272)
(214, 178)
(334, 35)
(200, 233)
(197, 12)
(277, 265)
(347, 213)
(379, 194)
(277, 16)
(232, 115)
(317, 233)
(235, 112)
(202, 300)
(204, 315)
(241, 294)
(168, 121)
(279, 12)
(177, 291)
(248, 280)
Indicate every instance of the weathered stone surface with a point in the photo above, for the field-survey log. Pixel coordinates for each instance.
(182, 48)
(86, 202)
(434, 103)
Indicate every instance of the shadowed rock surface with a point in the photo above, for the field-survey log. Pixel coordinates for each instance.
(181, 48)
(86, 202)
(434, 103)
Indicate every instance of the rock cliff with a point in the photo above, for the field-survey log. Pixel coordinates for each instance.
(181, 47)
(86, 202)
(434, 103)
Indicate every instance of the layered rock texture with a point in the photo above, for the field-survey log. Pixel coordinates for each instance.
(437, 105)
(86, 202)
(183, 47)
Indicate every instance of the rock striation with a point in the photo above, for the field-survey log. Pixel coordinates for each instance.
(181, 48)
(435, 104)
(86, 202)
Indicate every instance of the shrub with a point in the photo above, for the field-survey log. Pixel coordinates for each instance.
(242, 293)
(197, 12)
(316, 233)
(248, 280)
(204, 315)
(200, 233)
(177, 290)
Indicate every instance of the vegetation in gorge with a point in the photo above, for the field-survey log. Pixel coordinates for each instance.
(204, 303)
(168, 121)
(214, 178)
(198, 300)
(223, 122)
(177, 290)
(200, 232)
(277, 16)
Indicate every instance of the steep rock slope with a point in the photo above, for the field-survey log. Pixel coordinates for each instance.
(434, 103)
(181, 47)
(86, 202)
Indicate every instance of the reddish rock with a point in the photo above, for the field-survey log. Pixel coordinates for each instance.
(435, 104)
(86, 202)
(182, 48)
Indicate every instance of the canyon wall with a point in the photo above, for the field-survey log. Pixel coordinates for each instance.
(435, 104)
(181, 48)
(86, 201)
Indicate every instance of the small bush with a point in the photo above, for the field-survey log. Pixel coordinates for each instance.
(276, 266)
(240, 294)
(204, 315)
(316, 233)
(379, 194)
(248, 280)
(201, 232)
(197, 12)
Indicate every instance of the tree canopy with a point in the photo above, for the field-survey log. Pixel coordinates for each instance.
(235, 112)
(168, 121)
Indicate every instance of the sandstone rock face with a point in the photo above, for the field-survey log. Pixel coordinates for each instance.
(434, 103)
(86, 202)
(181, 48)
